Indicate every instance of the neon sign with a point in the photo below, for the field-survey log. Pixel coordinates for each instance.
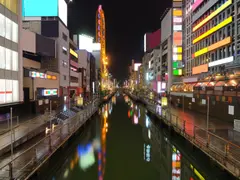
(177, 41)
(35, 74)
(50, 92)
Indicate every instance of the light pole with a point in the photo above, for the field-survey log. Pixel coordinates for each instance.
(11, 133)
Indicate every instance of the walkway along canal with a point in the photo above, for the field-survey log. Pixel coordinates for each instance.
(23, 164)
(222, 151)
(124, 142)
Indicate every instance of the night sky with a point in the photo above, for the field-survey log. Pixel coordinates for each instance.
(126, 23)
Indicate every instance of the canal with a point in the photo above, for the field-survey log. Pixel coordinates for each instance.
(124, 142)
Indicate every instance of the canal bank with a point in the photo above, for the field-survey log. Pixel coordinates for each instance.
(30, 158)
(222, 151)
(124, 142)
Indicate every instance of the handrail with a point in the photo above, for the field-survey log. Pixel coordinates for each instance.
(68, 128)
(226, 153)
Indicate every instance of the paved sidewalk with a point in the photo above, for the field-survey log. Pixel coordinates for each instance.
(32, 127)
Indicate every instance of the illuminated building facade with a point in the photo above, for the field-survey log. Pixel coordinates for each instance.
(101, 38)
(11, 52)
(75, 88)
(215, 48)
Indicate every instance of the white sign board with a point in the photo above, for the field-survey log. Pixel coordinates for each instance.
(231, 110)
(237, 125)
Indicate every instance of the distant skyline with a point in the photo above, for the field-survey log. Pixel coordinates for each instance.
(126, 24)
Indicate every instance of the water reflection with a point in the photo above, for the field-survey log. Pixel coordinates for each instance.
(134, 147)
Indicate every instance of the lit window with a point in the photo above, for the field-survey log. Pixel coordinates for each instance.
(14, 61)
(9, 91)
(8, 28)
(15, 92)
(2, 57)
(14, 32)
(2, 25)
(8, 59)
(2, 91)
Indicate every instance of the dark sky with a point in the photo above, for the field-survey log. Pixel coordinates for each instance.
(126, 23)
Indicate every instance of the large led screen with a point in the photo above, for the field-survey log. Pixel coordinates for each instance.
(43, 8)
(36, 8)
(85, 42)
(62, 11)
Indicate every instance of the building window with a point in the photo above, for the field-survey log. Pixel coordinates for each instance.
(64, 77)
(14, 61)
(14, 32)
(8, 28)
(2, 58)
(2, 25)
(64, 36)
(8, 59)
(64, 50)
(9, 91)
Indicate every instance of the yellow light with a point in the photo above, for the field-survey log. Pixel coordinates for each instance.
(214, 46)
(214, 29)
(177, 12)
(72, 52)
(212, 15)
(177, 49)
(201, 52)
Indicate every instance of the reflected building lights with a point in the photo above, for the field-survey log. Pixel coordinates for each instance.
(135, 119)
(149, 134)
(147, 121)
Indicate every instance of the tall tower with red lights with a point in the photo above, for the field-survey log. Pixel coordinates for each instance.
(101, 38)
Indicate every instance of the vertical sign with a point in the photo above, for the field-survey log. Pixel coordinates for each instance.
(177, 39)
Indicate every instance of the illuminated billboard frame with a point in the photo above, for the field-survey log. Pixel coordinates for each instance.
(221, 61)
(85, 42)
(50, 92)
(212, 15)
(196, 4)
(72, 52)
(35, 74)
(177, 41)
(214, 29)
(212, 47)
(45, 8)
(136, 66)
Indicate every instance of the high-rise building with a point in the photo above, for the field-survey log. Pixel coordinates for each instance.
(49, 18)
(11, 88)
(213, 26)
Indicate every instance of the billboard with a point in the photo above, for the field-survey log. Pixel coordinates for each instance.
(152, 40)
(136, 66)
(45, 8)
(36, 8)
(177, 41)
(85, 42)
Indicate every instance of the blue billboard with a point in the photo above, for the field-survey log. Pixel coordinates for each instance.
(36, 8)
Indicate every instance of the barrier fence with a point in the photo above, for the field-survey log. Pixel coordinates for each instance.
(226, 153)
(25, 164)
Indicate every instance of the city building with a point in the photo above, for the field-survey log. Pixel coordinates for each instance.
(11, 53)
(93, 79)
(84, 65)
(74, 88)
(52, 22)
(211, 58)
(40, 85)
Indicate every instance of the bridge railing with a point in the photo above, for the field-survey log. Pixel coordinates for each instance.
(23, 165)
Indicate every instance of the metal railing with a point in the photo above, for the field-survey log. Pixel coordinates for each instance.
(226, 153)
(5, 124)
(25, 164)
